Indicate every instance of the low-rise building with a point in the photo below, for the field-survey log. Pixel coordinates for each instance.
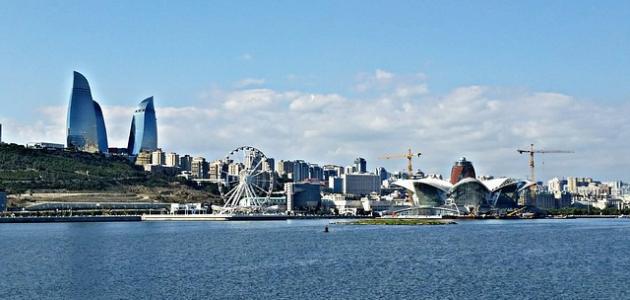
(303, 196)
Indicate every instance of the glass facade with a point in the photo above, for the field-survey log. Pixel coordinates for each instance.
(428, 195)
(101, 132)
(471, 195)
(143, 133)
(85, 125)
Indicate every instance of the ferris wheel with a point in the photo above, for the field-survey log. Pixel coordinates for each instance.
(248, 181)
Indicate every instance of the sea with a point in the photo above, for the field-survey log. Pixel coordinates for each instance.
(296, 259)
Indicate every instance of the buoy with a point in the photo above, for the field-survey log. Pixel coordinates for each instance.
(326, 228)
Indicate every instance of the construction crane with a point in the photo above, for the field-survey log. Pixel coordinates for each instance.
(409, 156)
(531, 152)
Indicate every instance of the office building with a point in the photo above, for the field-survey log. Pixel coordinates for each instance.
(300, 171)
(85, 124)
(360, 165)
(315, 172)
(303, 196)
(143, 133)
(360, 184)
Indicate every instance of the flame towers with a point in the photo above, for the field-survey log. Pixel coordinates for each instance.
(85, 126)
(143, 133)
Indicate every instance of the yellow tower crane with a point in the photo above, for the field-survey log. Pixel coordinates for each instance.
(531, 152)
(409, 156)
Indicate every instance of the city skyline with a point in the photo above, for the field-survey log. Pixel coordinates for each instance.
(305, 99)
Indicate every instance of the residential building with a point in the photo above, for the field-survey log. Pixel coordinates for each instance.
(158, 157)
(172, 160)
(199, 168)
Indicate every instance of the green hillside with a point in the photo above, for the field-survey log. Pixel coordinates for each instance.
(23, 169)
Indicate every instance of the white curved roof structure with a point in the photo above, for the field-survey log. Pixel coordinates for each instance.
(495, 184)
(470, 180)
(527, 185)
(437, 183)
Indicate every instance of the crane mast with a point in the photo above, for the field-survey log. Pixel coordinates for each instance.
(409, 156)
(532, 166)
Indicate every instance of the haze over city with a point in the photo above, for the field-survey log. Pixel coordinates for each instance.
(443, 78)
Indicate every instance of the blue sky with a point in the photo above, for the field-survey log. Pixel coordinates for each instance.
(197, 54)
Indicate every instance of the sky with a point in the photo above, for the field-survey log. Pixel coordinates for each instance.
(327, 81)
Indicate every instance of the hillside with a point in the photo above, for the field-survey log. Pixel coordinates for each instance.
(31, 171)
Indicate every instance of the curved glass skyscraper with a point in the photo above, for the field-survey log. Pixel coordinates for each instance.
(86, 127)
(143, 133)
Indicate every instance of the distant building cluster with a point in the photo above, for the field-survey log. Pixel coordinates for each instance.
(351, 189)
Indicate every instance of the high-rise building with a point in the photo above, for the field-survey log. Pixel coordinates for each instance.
(300, 171)
(382, 173)
(158, 157)
(234, 169)
(332, 171)
(284, 168)
(85, 125)
(143, 133)
(315, 172)
(462, 169)
(572, 184)
(218, 170)
(360, 165)
(269, 165)
(253, 160)
(172, 160)
(185, 163)
(199, 168)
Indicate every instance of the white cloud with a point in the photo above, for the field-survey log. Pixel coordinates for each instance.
(248, 82)
(315, 102)
(394, 85)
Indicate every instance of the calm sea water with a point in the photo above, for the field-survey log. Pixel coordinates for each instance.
(572, 259)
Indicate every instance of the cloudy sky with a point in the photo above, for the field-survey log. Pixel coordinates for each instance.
(330, 81)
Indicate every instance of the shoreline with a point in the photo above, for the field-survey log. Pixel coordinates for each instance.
(364, 220)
